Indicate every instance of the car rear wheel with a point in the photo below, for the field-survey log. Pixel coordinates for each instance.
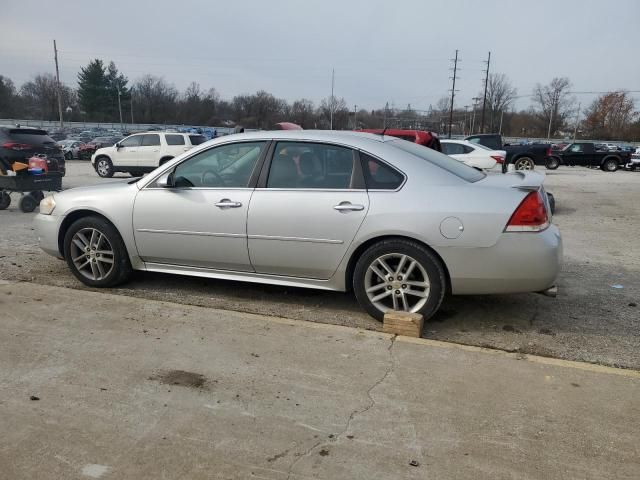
(610, 165)
(104, 167)
(524, 163)
(95, 253)
(399, 275)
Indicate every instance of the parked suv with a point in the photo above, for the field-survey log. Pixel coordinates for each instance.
(18, 144)
(143, 152)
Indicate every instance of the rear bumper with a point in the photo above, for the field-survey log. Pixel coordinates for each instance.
(517, 263)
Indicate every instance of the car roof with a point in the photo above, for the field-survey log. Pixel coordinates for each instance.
(335, 136)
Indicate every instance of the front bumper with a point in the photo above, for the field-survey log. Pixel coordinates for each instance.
(519, 262)
(47, 228)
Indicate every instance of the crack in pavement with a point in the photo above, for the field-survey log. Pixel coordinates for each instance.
(353, 414)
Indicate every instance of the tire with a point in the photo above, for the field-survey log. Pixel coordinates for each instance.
(27, 203)
(552, 163)
(609, 165)
(392, 252)
(5, 200)
(92, 267)
(104, 167)
(135, 174)
(68, 156)
(552, 202)
(38, 195)
(524, 163)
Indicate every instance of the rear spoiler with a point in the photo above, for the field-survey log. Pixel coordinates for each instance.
(529, 181)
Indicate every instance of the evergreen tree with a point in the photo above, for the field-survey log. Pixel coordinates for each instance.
(116, 82)
(93, 90)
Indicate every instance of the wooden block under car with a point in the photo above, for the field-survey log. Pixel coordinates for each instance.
(403, 323)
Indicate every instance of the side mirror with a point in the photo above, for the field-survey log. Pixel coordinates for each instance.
(117, 145)
(165, 180)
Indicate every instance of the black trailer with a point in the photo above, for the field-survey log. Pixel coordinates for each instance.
(30, 186)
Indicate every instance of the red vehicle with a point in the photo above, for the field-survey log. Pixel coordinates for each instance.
(421, 137)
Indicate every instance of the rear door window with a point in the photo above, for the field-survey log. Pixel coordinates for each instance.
(174, 139)
(197, 139)
(311, 165)
(452, 148)
(150, 140)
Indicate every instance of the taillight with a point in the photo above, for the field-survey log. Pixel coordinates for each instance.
(530, 216)
(498, 158)
(549, 151)
(16, 146)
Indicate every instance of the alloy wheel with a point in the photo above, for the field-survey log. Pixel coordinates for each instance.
(92, 254)
(396, 281)
(525, 164)
(103, 168)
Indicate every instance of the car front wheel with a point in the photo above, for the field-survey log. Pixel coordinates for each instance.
(399, 275)
(104, 167)
(96, 253)
(610, 165)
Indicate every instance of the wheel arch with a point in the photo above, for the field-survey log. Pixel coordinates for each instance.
(617, 158)
(357, 253)
(76, 215)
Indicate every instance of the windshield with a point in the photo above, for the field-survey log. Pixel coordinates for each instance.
(441, 160)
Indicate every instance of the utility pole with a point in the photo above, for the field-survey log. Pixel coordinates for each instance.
(501, 117)
(473, 117)
(120, 110)
(355, 117)
(55, 56)
(550, 121)
(131, 104)
(484, 102)
(331, 101)
(386, 107)
(466, 113)
(453, 91)
(575, 130)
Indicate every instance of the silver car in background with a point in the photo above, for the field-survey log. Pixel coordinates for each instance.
(396, 222)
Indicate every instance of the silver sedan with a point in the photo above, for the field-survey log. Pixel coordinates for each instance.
(399, 224)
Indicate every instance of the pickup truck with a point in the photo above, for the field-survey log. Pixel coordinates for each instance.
(586, 154)
(523, 157)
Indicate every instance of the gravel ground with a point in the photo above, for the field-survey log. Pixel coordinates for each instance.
(591, 320)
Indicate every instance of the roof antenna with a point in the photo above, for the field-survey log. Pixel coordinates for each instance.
(384, 130)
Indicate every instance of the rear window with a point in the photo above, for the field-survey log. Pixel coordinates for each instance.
(174, 139)
(438, 159)
(29, 137)
(197, 139)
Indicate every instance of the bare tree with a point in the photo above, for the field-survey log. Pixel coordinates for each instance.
(555, 103)
(336, 107)
(302, 113)
(40, 97)
(500, 95)
(610, 116)
(8, 96)
(156, 99)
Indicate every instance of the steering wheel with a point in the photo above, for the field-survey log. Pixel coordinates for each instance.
(203, 177)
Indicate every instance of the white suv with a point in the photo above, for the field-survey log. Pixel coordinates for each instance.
(142, 152)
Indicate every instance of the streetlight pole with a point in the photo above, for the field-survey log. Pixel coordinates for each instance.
(575, 130)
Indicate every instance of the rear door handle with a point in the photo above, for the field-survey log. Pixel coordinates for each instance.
(348, 207)
(226, 203)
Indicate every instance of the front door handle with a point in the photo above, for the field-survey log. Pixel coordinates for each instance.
(348, 207)
(226, 203)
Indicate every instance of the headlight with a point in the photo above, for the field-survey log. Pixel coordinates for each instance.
(47, 205)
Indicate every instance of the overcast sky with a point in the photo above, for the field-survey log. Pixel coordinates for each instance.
(395, 51)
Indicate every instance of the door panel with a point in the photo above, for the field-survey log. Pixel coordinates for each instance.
(300, 232)
(185, 227)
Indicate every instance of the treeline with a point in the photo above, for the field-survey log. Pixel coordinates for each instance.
(103, 94)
